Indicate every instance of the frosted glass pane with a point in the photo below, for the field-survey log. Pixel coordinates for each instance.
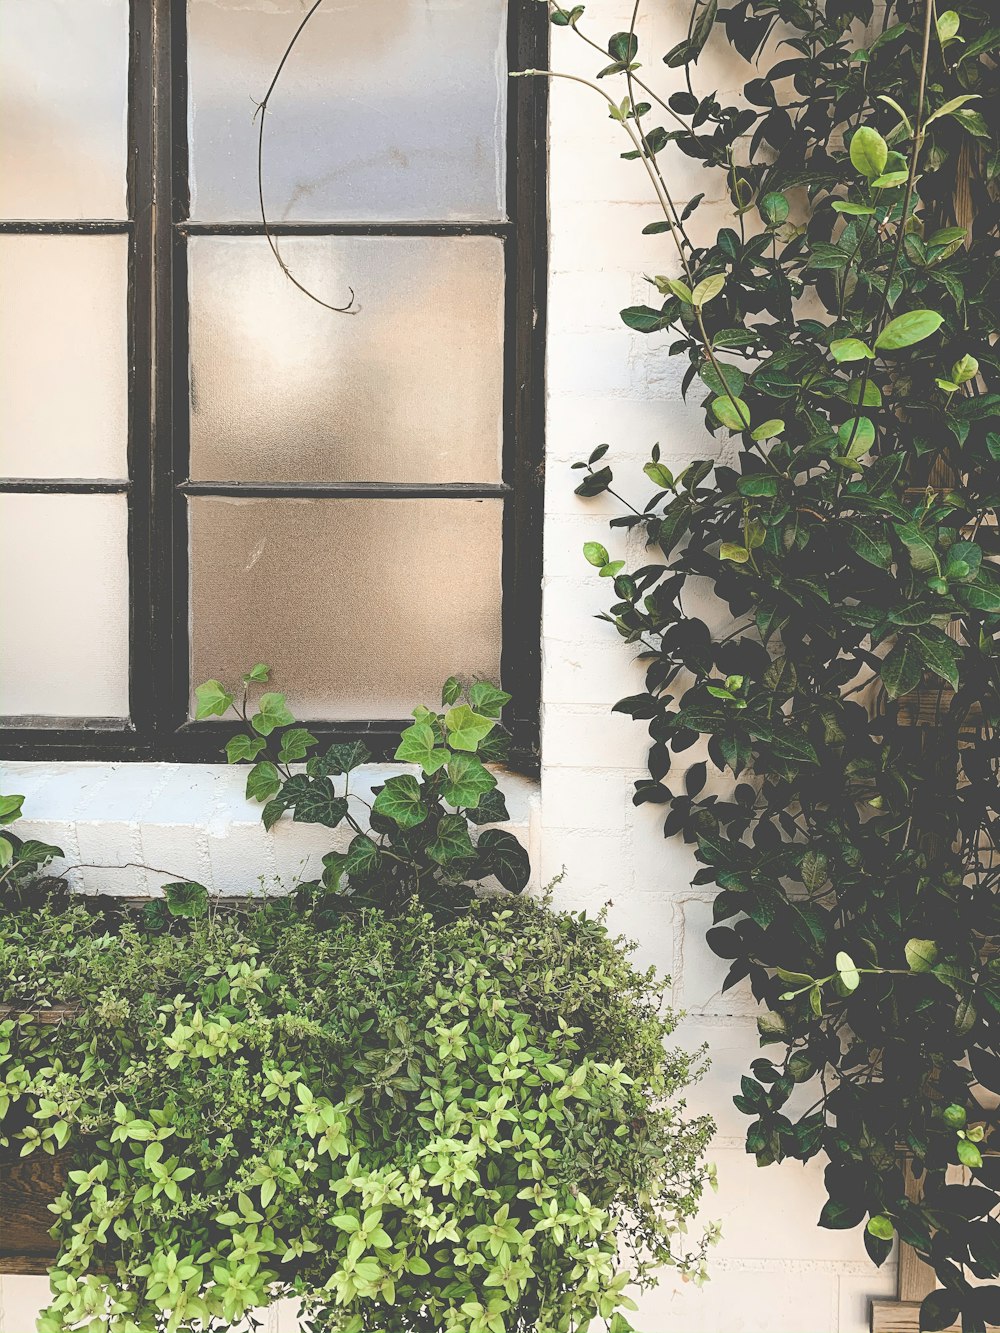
(64, 608)
(409, 388)
(362, 607)
(63, 356)
(386, 109)
(63, 108)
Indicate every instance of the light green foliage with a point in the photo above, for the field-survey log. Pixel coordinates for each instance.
(411, 1126)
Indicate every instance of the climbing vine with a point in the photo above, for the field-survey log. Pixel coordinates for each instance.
(831, 752)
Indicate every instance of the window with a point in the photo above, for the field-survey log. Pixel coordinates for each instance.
(201, 466)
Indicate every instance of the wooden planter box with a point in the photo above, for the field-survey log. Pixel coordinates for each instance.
(27, 1186)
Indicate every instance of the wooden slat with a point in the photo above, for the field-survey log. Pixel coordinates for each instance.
(27, 1186)
(916, 1279)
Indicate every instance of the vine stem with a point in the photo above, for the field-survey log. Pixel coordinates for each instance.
(667, 205)
(262, 108)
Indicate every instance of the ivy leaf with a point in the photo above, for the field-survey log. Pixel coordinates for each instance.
(319, 804)
(185, 898)
(243, 747)
(905, 330)
(213, 700)
(503, 857)
(487, 699)
(362, 858)
(417, 746)
(272, 712)
(401, 800)
(492, 809)
(467, 781)
(263, 781)
(451, 841)
(10, 809)
(294, 745)
(466, 728)
(34, 853)
(451, 691)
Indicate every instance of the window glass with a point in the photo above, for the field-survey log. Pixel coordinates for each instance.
(360, 606)
(408, 389)
(64, 606)
(63, 356)
(63, 108)
(386, 110)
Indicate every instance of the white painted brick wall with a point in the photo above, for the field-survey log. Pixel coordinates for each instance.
(775, 1271)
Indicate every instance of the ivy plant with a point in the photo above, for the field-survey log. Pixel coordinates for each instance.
(460, 1126)
(21, 859)
(415, 837)
(840, 334)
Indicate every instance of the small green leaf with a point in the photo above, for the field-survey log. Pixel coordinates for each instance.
(10, 809)
(881, 1227)
(295, 744)
(466, 728)
(774, 208)
(363, 857)
(488, 699)
(856, 436)
(596, 554)
(451, 691)
(451, 841)
(184, 898)
(244, 747)
(891, 180)
(6, 851)
(850, 349)
(731, 551)
(257, 675)
(768, 430)
(732, 412)
(263, 781)
(869, 152)
(401, 800)
(272, 712)
(468, 781)
(213, 700)
(707, 290)
(319, 804)
(921, 955)
(969, 1154)
(847, 971)
(905, 330)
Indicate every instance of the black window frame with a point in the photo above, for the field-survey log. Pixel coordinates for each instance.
(157, 487)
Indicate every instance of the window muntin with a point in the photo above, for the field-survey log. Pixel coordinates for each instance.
(493, 392)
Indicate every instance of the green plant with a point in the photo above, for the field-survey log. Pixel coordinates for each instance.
(468, 1126)
(417, 839)
(843, 328)
(21, 859)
